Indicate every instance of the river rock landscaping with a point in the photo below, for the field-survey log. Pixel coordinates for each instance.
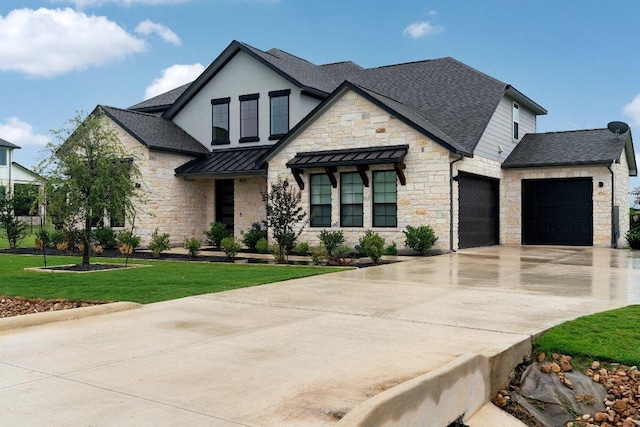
(16, 306)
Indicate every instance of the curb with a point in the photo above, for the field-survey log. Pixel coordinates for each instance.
(35, 319)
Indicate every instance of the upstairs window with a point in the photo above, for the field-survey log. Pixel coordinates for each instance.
(220, 120)
(3, 157)
(279, 106)
(385, 196)
(249, 118)
(351, 206)
(516, 121)
(320, 189)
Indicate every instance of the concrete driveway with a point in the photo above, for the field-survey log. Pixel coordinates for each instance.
(301, 352)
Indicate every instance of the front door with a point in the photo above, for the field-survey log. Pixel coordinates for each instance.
(224, 203)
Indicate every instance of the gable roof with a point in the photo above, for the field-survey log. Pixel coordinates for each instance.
(580, 147)
(160, 102)
(314, 80)
(4, 143)
(155, 132)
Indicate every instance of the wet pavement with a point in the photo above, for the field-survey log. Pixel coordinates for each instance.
(300, 352)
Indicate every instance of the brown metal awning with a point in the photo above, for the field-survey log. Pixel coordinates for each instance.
(359, 157)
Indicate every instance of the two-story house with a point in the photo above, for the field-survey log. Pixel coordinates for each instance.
(17, 179)
(430, 142)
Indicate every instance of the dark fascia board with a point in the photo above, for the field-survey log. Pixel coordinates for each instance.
(558, 164)
(143, 142)
(219, 63)
(222, 174)
(525, 100)
(630, 154)
(152, 109)
(346, 85)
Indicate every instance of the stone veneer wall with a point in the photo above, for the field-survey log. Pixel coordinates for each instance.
(354, 122)
(176, 206)
(621, 172)
(248, 205)
(511, 199)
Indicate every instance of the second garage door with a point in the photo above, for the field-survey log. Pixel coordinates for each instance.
(557, 212)
(478, 207)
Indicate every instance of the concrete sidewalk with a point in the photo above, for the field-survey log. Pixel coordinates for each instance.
(302, 352)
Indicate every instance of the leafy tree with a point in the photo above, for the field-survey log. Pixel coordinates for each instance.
(89, 174)
(284, 214)
(13, 226)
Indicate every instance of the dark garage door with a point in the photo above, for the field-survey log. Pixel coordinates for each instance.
(557, 212)
(478, 207)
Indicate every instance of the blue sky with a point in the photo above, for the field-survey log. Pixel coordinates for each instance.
(578, 59)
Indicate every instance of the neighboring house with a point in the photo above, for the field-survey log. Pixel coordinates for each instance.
(17, 179)
(430, 142)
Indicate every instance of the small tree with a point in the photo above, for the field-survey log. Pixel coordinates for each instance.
(284, 215)
(13, 226)
(89, 173)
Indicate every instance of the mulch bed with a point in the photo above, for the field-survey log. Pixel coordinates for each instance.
(16, 306)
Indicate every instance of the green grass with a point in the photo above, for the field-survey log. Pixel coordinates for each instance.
(165, 280)
(27, 242)
(612, 336)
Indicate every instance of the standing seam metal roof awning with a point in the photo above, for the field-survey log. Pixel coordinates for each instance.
(349, 157)
(238, 161)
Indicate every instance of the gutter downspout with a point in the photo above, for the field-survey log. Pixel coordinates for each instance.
(614, 240)
(451, 177)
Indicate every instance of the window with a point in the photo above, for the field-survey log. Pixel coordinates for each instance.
(3, 191)
(516, 121)
(320, 189)
(220, 120)
(351, 200)
(116, 217)
(385, 196)
(249, 118)
(279, 101)
(3, 157)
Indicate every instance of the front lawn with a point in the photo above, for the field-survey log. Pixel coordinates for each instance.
(611, 336)
(165, 280)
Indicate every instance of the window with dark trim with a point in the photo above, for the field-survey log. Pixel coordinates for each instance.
(249, 118)
(516, 121)
(3, 157)
(320, 195)
(279, 109)
(385, 199)
(220, 121)
(116, 218)
(351, 205)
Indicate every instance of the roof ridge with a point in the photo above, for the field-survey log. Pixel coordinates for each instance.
(568, 131)
(287, 53)
(127, 110)
(409, 63)
(348, 61)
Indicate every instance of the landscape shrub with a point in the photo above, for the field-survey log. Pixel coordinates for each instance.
(56, 237)
(318, 254)
(62, 246)
(262, 246)
(230, 245)
(289, 241)
(392, 249)
(301, 248)
(253, 235)
(97, 249)
(42, 239)
(106, 237)
(343, 255)
(371, 245)
(192, 245)
(159, 243)
(633, 237)
(128, 242)
(420, 238)
(331, 240)
(14, 228)
(216, 233)
(634, 218)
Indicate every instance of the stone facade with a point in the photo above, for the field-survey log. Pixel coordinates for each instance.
(176, 206)
(511, 199)
(248, 204)
(354, 122)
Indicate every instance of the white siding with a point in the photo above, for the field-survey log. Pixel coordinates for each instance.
(4, 170)
(243, 75)
(499, 132)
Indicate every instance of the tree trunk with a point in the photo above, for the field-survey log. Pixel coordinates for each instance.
(86, 241)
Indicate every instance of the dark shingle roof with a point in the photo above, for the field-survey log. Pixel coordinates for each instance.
(580, 147)
(155, 132)
(454, 97)
(4, 143)
(225, 161)
(349, 156)
(160, 102)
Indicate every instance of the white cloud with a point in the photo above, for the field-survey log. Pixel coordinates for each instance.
(21, 133)
(172, 77)
(147, 27)
(422, 29)
(91, 3)
(632, 110)
(50, 42)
